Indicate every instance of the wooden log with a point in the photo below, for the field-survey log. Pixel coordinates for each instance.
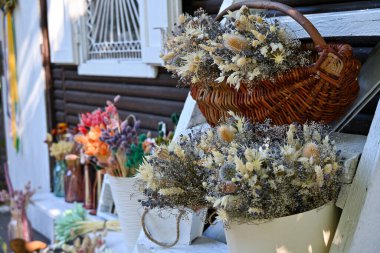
(163, 79)
(144, 105)
(169, 93)
(58, 84)
(148, 121)
(60, 117)
(369, 166)
(58, 94)
(59, 105)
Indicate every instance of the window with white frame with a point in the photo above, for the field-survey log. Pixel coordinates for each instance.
(113, 29)
(111, 37)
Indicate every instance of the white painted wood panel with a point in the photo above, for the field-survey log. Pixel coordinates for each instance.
(114, 68)
(157, 19)
(63, 48)
(369, 163)
(335, 24)
(367, 233)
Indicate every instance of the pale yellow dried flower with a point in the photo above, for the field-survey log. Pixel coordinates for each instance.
(207, 48)
(255, 43)
(168, 56)
(278, 58)
(241, 62)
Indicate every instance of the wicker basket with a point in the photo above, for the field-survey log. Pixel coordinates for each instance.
(320, 92)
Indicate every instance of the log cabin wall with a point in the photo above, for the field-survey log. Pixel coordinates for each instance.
(154, 100)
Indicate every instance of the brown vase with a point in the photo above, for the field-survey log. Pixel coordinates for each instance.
(73, 180)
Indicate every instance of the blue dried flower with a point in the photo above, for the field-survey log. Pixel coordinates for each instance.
(227, 172)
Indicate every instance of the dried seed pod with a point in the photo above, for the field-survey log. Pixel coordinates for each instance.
(226, 133)
(229, 188)
(235, 43)
(311, 150)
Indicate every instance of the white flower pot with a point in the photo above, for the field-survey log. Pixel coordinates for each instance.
(126, 198)
(308, 232)
(161, 225)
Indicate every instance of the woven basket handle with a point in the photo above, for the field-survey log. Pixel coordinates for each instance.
(293, 13)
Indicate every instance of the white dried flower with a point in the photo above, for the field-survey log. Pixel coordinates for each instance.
(240, 167)
(218, 157)
(255, 73)
(319, 175)
(264, 51)
(222, 216)
(234, 79)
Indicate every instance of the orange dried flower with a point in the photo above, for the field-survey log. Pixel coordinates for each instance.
(92, 145)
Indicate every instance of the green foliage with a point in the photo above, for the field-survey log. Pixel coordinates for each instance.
(65, 225)
(175, 118)
(136, 154)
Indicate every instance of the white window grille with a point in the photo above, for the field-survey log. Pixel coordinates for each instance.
(113, 29)
(111, 37)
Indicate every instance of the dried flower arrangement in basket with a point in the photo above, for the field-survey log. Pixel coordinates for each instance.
(249, 172)
(253, 67)
(262, 171)
(172, 177)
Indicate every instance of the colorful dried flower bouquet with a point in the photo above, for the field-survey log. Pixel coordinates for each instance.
(249, 172)
(113, 144)
(244, 48)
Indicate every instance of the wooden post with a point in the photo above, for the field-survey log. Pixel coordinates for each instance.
(45, 50)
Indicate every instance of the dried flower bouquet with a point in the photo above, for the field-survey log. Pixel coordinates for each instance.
(172, 176)
(60, 141)
(261, 171)
(248, 172)
(113, 144)
(245, 47)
